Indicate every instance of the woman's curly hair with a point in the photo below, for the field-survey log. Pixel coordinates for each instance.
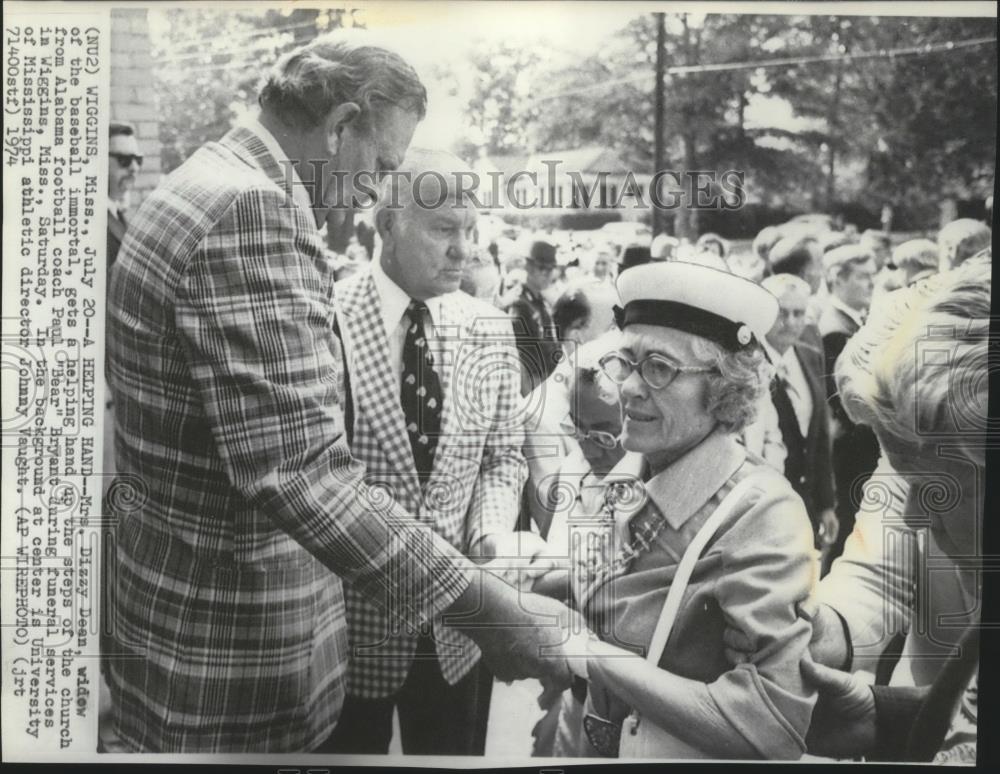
(736, 389)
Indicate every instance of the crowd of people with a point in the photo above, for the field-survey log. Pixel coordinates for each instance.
(379, 478)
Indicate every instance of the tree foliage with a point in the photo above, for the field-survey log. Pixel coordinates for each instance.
(902, 130)
(209, 62)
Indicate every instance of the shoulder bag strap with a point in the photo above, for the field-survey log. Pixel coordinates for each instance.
(691, 554)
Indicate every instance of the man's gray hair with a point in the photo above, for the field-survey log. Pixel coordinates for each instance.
(779, 284)
(307, 83)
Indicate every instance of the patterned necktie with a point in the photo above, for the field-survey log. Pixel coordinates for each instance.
(420, 392)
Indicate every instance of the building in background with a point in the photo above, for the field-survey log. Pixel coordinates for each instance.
(133, 99)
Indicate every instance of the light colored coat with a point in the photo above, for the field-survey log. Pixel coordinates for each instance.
(479, 470)
(756, 568)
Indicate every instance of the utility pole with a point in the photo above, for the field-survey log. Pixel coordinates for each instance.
(658, 163)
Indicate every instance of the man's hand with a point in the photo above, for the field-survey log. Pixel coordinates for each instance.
(828, 645)
(843, 722)
(516, 557)
(829, 527)
(520, 634)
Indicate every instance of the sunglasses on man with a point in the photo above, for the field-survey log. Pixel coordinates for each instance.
(125, 159)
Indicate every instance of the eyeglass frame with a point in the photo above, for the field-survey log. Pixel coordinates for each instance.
(637, 366)
(569, 426)
(125, 159)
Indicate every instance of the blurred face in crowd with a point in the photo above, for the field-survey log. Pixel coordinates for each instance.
(854, 286)
(602, 266)
(481, 278)
(602, 315)
(713, 247)
(595, 419)
(813, 273)
(663, 424)
(123, 149)
(352, 146)
(878, 248)
(540, 277)
(791, 319)
(425, 250)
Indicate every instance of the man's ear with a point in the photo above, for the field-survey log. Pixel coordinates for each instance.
(338, 117)
(384, 220)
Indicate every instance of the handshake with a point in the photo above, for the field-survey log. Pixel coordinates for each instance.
(522, 633)
(521, 559)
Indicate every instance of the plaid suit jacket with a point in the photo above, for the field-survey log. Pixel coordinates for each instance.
(479, 469)
(227, 380)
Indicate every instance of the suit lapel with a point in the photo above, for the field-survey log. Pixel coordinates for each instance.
(451, 331)
(116, 227)
(812, 368)
(373, 384)
(850, 327)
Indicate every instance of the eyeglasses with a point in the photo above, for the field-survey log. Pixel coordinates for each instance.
(125, 159)
(656, 371)
(599, 437)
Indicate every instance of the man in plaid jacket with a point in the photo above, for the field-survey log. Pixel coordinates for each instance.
(228, 606)
(470, 492)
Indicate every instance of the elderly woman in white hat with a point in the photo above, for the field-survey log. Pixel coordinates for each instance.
(695, 535)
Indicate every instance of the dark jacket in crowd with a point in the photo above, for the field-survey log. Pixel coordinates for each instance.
(808, 464)
(855, 449)
(537, 340)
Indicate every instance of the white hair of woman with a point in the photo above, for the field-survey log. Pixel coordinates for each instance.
(885, 382)
(961, 239)
(916, 259)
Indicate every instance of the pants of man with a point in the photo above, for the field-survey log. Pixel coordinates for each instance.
(434, 718)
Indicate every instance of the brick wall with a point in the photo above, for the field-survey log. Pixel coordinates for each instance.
(132, 99)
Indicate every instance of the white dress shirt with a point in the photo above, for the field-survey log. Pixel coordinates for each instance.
(394, 301)
(789, 368)
(855, 314)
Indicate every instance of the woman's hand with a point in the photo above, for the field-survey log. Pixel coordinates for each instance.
(843, 722)
(518, 558)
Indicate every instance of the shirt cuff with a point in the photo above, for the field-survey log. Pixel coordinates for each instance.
(420, 580)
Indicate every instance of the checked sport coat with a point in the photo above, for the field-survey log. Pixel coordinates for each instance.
(479, 470)
(248, 509)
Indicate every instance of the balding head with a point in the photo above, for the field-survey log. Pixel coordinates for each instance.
(428, 179)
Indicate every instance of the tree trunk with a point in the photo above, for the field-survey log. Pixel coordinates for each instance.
(833, 132)
(686, 223)
(659, 221)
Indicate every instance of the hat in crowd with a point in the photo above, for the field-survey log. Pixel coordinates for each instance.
(732, 311)
(634, 255)
(662, 246)
(831, 240)
(839, 256)
(542, 253)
